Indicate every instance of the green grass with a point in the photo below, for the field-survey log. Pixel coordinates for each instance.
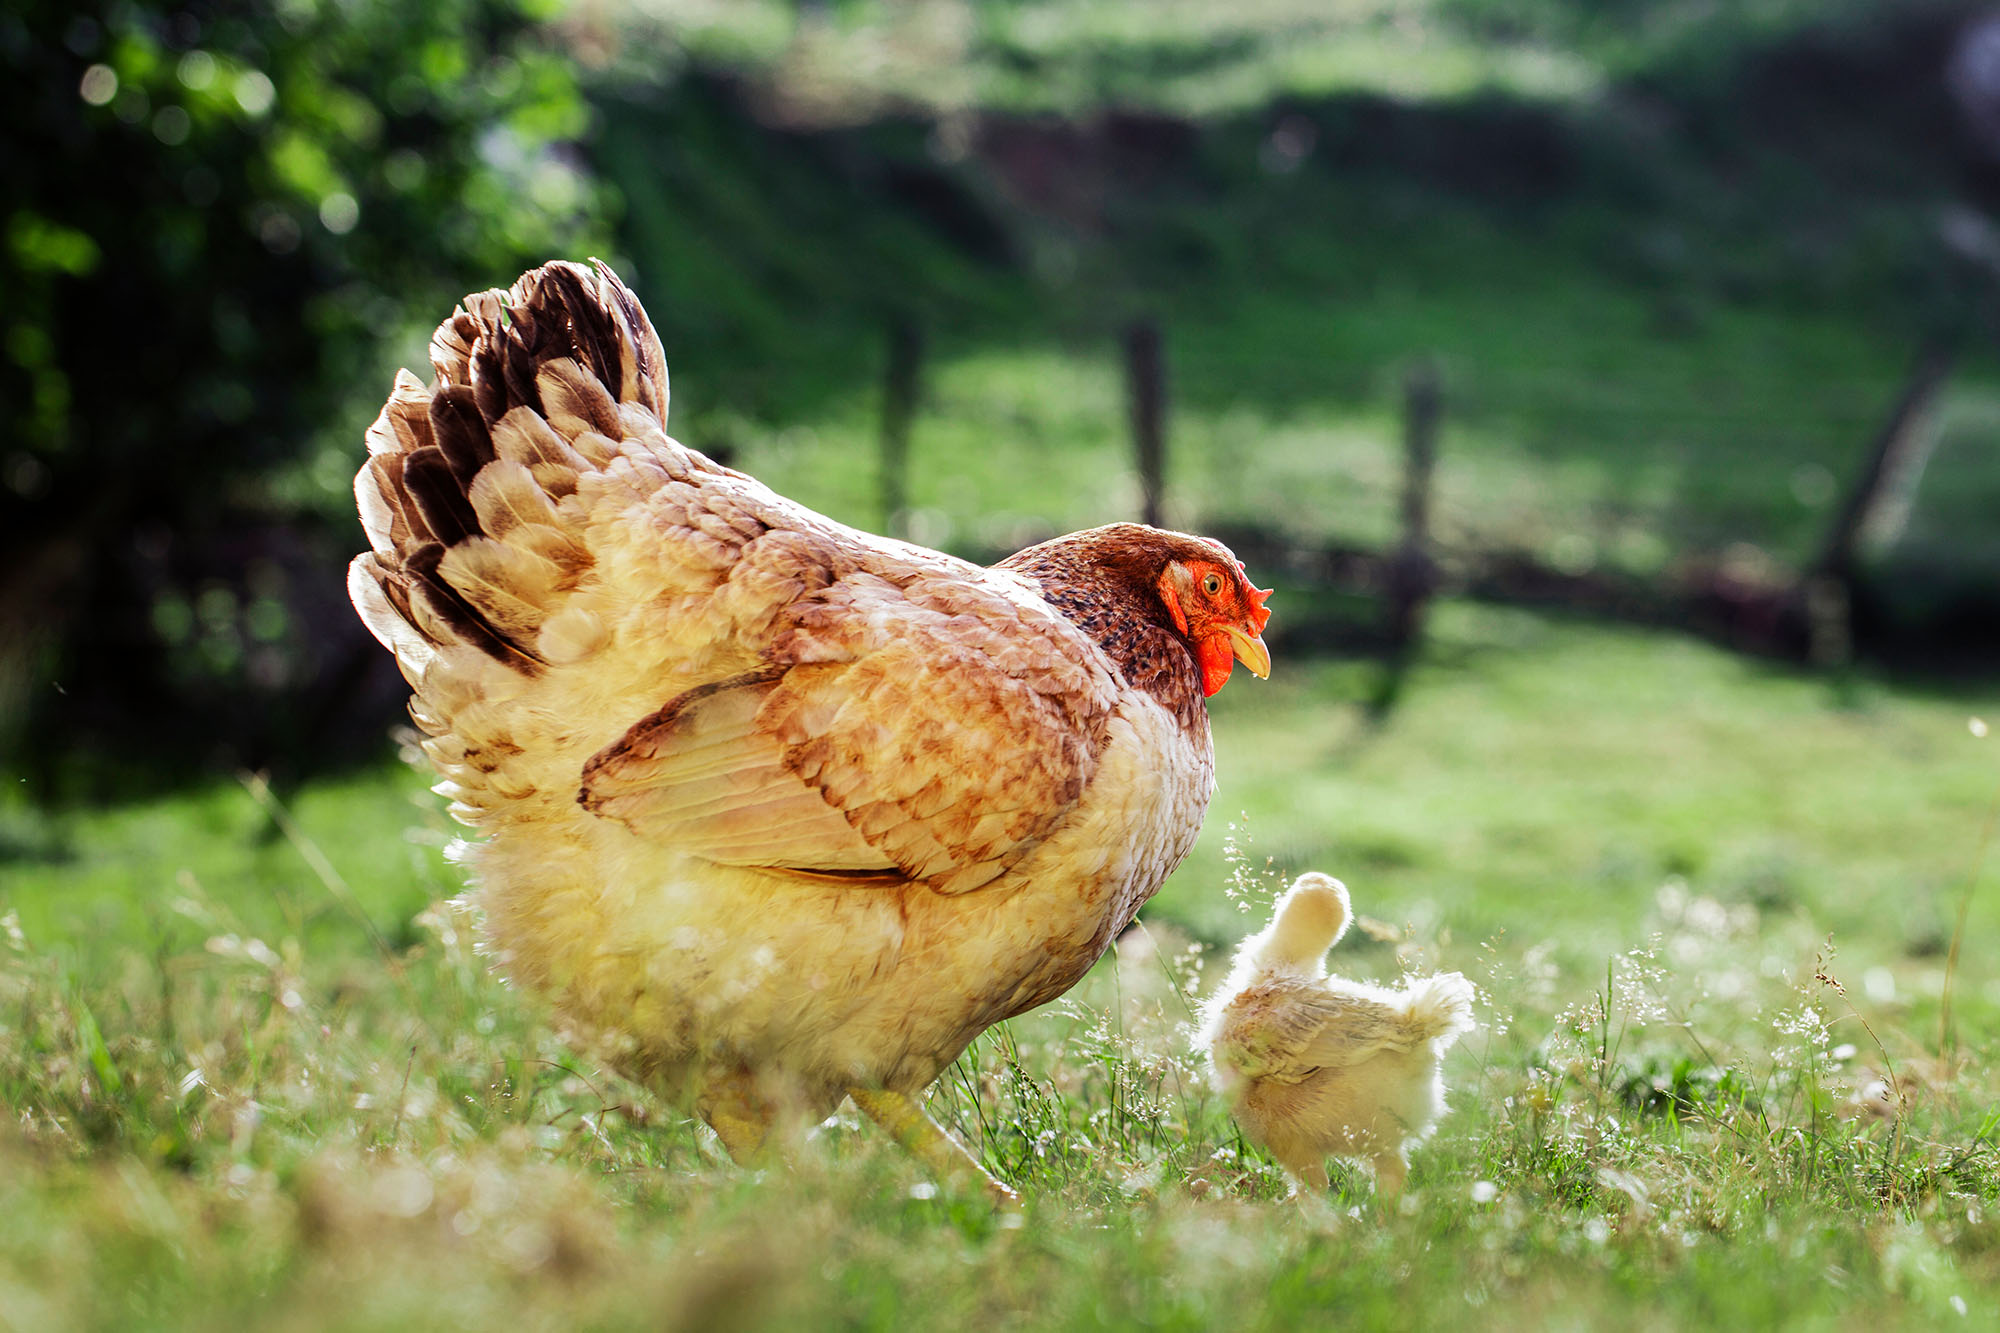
(232, 1104)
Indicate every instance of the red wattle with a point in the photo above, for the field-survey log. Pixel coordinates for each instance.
(1217, 658)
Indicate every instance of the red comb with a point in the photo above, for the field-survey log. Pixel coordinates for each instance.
(1257, 596)
(1257, 607)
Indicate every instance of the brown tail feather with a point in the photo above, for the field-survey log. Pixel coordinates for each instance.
(534, 379)
(459, 427)
(438, 494)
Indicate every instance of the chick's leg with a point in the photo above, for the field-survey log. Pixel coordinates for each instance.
(1390, 1172)
(944, 1156)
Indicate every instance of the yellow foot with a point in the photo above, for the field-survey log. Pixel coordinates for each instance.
(944, 1156)
(740, 1117)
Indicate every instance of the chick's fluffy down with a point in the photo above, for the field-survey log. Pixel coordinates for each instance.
(1317, 1066)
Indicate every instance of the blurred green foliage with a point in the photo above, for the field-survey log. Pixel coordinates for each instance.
(219, 219)
(843, 59)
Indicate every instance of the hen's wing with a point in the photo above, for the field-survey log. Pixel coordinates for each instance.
(923, 726)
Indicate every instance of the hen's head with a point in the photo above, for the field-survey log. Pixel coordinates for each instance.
(1211, 601)
(1190, 585)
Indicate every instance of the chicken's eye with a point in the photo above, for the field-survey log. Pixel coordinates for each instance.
(1212, 585)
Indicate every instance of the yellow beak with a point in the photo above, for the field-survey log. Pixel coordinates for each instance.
(1250, 650)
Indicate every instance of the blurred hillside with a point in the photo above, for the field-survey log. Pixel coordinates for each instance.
(1674, 260)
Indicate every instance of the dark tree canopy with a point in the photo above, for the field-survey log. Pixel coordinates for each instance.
(216, 219)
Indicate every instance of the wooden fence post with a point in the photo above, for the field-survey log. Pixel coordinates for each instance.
(1899, 448)
(1826, 592)
(1146, 396)
(899, 405)
(1412, 574)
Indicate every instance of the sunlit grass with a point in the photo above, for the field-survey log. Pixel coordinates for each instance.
(231, 1101)
(260, 1140)
(1544, 776)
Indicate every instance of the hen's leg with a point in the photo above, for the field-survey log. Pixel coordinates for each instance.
(740, 1117)
(927, 1141)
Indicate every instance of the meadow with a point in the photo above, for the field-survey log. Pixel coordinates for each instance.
(1730, 921)
(1733, 1068)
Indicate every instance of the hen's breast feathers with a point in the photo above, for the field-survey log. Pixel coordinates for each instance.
(588, 611)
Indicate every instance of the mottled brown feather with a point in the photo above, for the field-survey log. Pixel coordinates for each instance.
(450, 606)
(438, 496)
(575, 402)
(460, 431)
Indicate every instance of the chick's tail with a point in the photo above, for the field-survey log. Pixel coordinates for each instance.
(1440, 1008)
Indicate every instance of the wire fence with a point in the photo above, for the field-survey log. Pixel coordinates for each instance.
(1612, 495)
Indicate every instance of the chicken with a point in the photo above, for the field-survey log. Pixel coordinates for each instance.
(1314, 1065)
(774, 811)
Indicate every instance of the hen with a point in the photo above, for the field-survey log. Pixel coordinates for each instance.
(775, 811)
(1314, 1065)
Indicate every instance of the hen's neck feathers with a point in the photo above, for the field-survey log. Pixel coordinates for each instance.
(1105, 581)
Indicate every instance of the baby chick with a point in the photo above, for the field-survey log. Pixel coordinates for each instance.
(1315, 1065)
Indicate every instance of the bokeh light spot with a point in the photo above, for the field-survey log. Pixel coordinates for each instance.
(100, 84)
